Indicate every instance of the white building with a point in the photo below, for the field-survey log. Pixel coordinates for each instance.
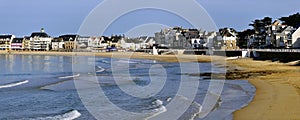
(97, 43)
(40, 41)
(70, 42)
(128, 46)
(17, 44)
(26, 43)
(83, 42)
(212, 40)
(229, 38)
(198, 43)
(278, 35)
(283, 37)
(57, 44)
(5, 41)
(296, 38)
(146, 42)
(173, 37)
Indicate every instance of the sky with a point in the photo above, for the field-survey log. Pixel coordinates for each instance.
(57, 17)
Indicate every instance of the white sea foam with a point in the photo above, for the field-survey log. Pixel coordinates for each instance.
(157, 102)
(168, 99)
(125, 61)
(99, 69)
(66, 77)
(157, 111)
(71, 115)
(14, 84)
(193, 110)
(198, 108)
(104, 61)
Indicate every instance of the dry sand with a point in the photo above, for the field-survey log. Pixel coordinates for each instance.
(278, 85)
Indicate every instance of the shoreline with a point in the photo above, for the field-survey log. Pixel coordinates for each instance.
(277, 90)
(277, 85)
(129, 55)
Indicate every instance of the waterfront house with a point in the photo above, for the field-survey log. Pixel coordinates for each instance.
(40, 41)
(5, 41)
(69, 42)
(98, 44)
(57, 44)
(146, 42)
(83, 42)
(128, 44)
(279, 35)
(131, 44)
(26, 44)
(160, 38)
(213, 40)
(176, 37)
(283, 37)
(229, 36)
(17, 44)
(198, 43)
(273, 36)
(115, 40)
(296, 38)
(165, 38)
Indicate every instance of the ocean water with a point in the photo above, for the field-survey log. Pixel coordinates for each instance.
(34, 87)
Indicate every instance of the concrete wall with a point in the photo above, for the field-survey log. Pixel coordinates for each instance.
(215, 52)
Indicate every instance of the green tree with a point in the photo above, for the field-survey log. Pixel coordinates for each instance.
(259, 24)
(243, 37)
(267, 21)
(292, 20)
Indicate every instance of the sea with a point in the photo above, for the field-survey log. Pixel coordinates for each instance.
(44, 87)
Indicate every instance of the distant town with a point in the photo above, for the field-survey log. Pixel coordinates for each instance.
(266, 34)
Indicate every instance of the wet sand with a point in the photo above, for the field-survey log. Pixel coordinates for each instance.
(277, 95)
(133, 55)
(278, 85)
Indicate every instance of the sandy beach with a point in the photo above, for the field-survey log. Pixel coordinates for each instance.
(132, 55)
(278, 88)
(278, 84)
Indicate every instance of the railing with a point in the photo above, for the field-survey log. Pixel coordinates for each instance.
(259, 50)
(276, 50)
(262, 50)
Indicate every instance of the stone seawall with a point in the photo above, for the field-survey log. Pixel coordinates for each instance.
(276, 56)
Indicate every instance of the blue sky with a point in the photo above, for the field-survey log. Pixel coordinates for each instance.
(21, 17)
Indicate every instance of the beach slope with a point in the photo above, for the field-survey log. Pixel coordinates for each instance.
(277, 95)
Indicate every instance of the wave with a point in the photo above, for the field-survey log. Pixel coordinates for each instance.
(191, 113)
(14, 84)
(157, 102)
(99, 69)
(66, 77)
(126, 61)
(197, 110)
(210, 107)
(104, 61)
(71, 115)
(156, 112)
